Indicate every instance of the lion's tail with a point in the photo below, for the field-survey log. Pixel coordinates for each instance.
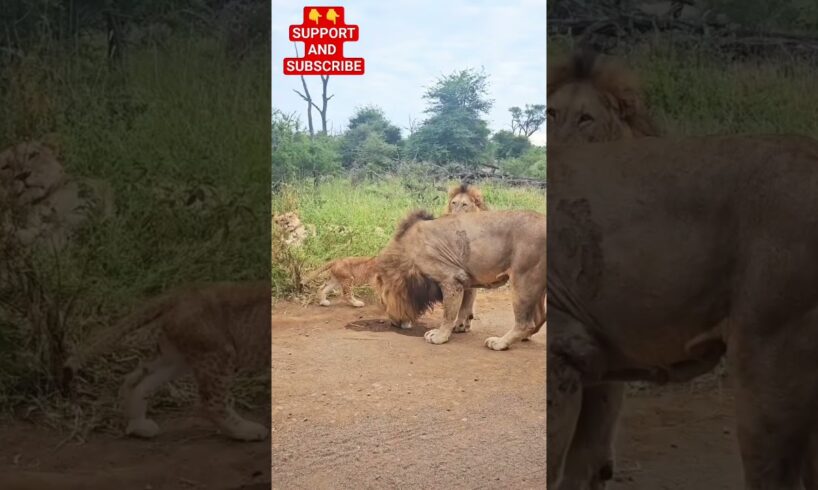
(145, 316)
(312, 275)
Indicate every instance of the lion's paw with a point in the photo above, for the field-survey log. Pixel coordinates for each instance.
(324, 302)
(249, 431)
(357, 303)
(435, 336)
(146, 428)
(461, 328)
(405, 325)
(496, 343)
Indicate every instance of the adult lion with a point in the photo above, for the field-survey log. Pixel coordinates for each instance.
(663, 254)
(595, 98)
(442, 260)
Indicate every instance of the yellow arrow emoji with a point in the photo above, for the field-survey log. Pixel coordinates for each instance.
(314, 15)
(332, 15)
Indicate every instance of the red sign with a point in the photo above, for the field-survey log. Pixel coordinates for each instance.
(323, 32)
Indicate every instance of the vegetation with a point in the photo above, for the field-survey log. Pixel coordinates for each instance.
(178, 125)
(359, 218)
(453, 140)
(705, 91)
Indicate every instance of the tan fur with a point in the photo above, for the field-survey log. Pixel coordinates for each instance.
(445, 259)
(465, 198)
(210, 331)
(717, 254)
(49, 204)
(295, 233)
(595, 98)
(346, 274)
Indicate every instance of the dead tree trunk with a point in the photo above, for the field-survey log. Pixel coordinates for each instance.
(324, 100)
(307, 98)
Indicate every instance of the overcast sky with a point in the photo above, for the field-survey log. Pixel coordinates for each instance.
(407, 45)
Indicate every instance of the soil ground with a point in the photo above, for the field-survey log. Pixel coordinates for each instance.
(359, 404)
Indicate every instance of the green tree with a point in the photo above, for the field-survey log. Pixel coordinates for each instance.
(531, 164)
(455, 131)
(367, 126)
(295, 154)
(375, 155)
(509, 145)
(527, 121)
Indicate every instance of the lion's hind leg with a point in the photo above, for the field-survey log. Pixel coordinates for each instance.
(527, 307)
(143, 382)
(331, 285)
(465, 315)
(214, 372)
(539, 320)
(346, 286)
(776, 402)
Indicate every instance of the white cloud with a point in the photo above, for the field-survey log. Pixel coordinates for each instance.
(409, 44)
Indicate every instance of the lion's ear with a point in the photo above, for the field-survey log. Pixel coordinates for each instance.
(52, 142)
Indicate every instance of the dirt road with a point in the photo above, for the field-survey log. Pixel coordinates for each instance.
(358, 404)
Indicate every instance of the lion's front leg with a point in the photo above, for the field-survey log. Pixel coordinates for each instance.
(452, 300)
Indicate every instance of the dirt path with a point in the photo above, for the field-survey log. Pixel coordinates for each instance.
(677, 438)
(188, 455)
(359, 404)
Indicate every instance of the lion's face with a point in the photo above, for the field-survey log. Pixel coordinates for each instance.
(288, 222)
(33, 168)
(577, 112)
(595, 98)
(462, 203)
(465, 199)
(389, 300)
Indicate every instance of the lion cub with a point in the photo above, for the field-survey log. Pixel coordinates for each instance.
(345, 273)
(210, 331)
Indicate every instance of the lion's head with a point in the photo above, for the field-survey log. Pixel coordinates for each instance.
(465, 198)
(288, 222)
(593, 98)
(31, 170)
(404, 291)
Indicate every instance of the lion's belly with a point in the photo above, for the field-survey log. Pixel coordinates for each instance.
(659, 346)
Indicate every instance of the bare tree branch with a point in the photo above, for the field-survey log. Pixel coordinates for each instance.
(307, 98)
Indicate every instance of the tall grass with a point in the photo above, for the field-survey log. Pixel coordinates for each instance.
(358, 219)
(181, 132)
(702, 91)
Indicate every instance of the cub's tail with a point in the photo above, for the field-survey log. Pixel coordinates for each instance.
(147, 315)
(312, 275)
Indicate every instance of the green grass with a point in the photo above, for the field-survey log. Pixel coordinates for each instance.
(175, 122)
(703, 92)
(359, 219)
